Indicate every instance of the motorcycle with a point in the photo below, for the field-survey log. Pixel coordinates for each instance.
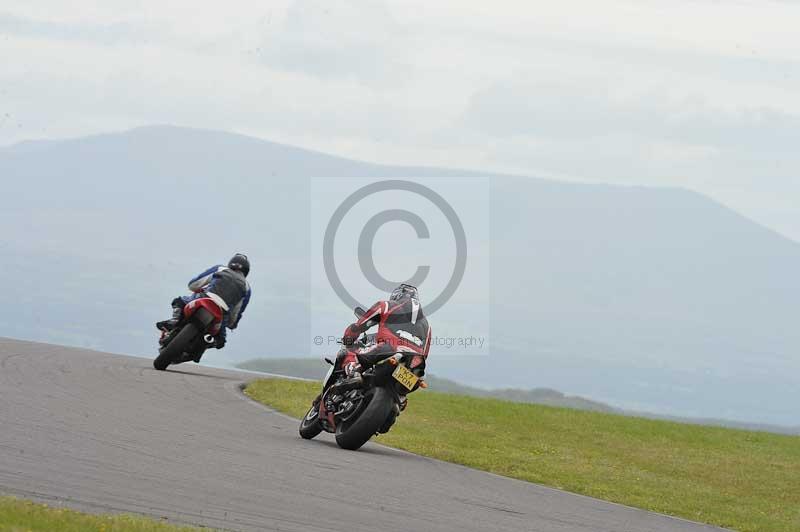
(202, 320)
(368, 403)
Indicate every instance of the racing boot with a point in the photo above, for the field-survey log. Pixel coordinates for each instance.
(403, 403)
(177, 313)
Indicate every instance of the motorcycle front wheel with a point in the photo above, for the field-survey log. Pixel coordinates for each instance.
(310, 426)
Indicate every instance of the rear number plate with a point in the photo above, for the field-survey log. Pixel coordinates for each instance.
(405, 377)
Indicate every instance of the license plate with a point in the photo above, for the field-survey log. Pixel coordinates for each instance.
(405, 377)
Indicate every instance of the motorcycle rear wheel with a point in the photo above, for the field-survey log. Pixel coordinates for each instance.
(173, 350)
(353, 434)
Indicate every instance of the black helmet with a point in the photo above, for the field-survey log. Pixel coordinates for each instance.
(404, 291)
(240, 263)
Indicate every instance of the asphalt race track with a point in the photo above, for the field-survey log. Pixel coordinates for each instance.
(108, 433)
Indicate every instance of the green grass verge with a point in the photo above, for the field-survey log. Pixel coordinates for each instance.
(18, 515)
(748, 481)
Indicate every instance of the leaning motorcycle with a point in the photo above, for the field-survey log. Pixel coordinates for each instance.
(358, 407)
(201, 321)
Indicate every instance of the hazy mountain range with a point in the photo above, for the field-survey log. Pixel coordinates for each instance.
(648, 299)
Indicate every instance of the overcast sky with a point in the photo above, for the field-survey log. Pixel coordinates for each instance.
(700, 94)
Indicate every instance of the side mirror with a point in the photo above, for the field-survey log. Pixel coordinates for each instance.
(359, 312)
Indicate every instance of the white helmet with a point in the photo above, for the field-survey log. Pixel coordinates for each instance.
(404, 291)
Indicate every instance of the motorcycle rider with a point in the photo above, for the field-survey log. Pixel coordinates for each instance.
(402, 327)
(226, 286)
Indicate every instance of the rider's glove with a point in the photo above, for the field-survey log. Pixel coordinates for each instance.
(352, 368)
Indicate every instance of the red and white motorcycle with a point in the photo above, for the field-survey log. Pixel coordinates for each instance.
(356, 408)
(201, 322)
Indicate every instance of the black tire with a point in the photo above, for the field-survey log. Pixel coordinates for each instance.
(309, 428)
(352, 435)
(173, 350)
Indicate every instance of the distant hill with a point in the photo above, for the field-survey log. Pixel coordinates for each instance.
(651, 299)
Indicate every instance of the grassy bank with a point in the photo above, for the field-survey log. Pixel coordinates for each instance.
(314, 368)
(747, 481)
(18, 515)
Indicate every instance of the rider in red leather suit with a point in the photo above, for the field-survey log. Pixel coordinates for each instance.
(402, 326)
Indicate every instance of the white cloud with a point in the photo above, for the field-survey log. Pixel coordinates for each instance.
(558, 110)
(698, 93)
(348, 39)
